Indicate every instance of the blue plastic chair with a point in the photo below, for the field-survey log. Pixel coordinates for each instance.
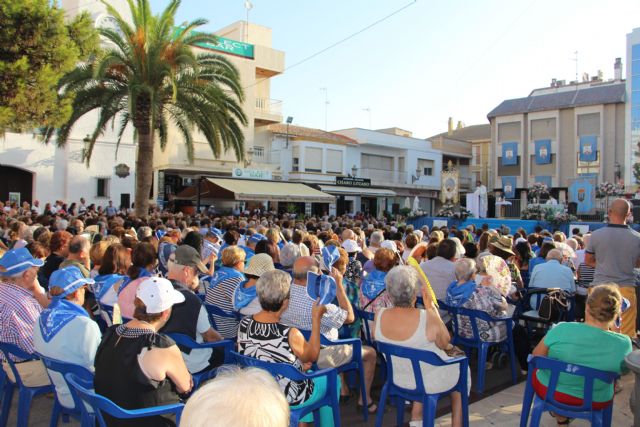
(597, 417)
(25, 394)
(354, 365)
(101, 404)
(529, 305)
(186, 341)
(215, 311)
(289, 371)
(419, 393)
(475, 341)
(64, 368)
(365, 317)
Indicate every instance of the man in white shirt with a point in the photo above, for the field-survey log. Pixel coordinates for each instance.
(481, 192)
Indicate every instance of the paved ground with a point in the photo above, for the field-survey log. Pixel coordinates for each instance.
(500, 405)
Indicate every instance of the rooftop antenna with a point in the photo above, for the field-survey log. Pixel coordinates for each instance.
(368, 110)
(326, 107)
(576, 60)
(248, 6)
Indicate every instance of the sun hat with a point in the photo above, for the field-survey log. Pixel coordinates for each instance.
(505, 244)
(460, 250)
(389, 244)
(321, 286)
(158, 294)
(259, 264)
(351, 246)
(69, 279)
(16, 261)
(188, 256)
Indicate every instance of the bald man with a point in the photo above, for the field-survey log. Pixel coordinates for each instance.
(79, 255)
(614, 251)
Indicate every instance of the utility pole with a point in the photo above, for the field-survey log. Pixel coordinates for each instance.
(248, 6)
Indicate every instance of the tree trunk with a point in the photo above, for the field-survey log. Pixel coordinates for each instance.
(144, 171)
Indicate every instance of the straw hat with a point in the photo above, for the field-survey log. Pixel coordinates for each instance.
(505, 244)
(259, 264)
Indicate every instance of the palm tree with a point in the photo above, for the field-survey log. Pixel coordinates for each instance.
(149, 76)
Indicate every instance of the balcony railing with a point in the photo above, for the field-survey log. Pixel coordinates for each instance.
(382, 176)
(269, 106)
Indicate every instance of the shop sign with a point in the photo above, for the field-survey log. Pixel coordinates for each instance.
(251, 174)
(225, 45)
(345, 181)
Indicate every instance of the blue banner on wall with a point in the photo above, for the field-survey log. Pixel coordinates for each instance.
(588, 148)
(509, 153)
(583, 192)
(544, 179)
(543, 151)
(509, 186)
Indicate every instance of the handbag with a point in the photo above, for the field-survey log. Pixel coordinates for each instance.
(553, 304)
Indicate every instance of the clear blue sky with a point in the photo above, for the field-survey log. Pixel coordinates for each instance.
(431, 61)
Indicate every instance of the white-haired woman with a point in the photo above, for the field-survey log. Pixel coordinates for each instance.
(264, 337)
(405, 325)
(248, 397)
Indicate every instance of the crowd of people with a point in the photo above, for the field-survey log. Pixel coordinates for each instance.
(103, 289)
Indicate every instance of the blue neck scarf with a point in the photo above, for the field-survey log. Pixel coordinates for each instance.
(57, 315)
(142, 273)
(104, 282)
(243, 296)
(225, 273)
(373, 284)
(458, 294)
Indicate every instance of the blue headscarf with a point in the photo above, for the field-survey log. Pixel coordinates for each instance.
(57, 315)
(224, 273)
(243, 296)
(104, 282)
(458, 294)
(373, 284)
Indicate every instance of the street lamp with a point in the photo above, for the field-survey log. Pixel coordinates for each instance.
(354, 171)
(289, 120)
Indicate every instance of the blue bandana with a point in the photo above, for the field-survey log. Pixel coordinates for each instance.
(373, 284)
(57, 315)
(224, 273)
(458, 294)
(243, 296)
(104, 282)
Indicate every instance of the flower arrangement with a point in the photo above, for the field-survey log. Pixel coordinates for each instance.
(535, 212)
(537, 190)
(453, 211)
(557, 217)
(607, 189)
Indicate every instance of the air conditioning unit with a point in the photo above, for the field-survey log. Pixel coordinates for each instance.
(188, 182)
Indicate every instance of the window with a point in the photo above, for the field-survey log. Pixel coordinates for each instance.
(426, 166)
(312, 159)
(370, 161)
(102, 188)
(334, 161)
(401, 164)
(477, 154)
(258, 151)
(296, 165)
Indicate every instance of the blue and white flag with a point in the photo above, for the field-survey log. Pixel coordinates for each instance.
(588, 148)
(509, 186)
(543, 151)
(509, 153)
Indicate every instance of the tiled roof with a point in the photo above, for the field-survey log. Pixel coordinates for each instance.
(302, 132)
(468, 133)
(594, 95)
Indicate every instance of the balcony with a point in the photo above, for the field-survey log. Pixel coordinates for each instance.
(268, 111)
(383, 177)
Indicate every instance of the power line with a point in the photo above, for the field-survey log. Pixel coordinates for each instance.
(331, 46)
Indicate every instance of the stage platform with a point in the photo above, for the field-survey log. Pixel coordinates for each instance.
(513, 223)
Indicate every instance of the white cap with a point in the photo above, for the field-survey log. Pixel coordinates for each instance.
(350, 246)
(389, 244)
(158, 294)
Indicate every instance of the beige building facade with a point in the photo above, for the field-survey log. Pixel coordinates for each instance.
(562, 114)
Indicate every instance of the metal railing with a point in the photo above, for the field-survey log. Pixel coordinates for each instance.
(383, 176)
(269, 106)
